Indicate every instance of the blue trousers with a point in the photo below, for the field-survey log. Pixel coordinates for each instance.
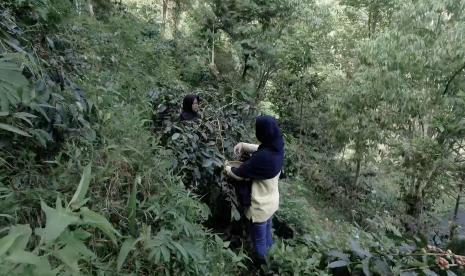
(261, 237)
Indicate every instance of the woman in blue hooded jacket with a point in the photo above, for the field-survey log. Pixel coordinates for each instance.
(263, 168)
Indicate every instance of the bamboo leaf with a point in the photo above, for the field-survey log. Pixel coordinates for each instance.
(132, 223)
(99, 221)
(13, 129)
(339, 263)
(81, 191)
(127, 246)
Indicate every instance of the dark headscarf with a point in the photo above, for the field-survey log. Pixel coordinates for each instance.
(267, 161)
(187, 113)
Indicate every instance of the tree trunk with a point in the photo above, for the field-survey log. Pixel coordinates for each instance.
(357, 171)
(301, 118)
(213, 47)
(414, 207)
(77, 6)
(264, 77)
(369, 22)
(373, 13)
(453, 226)
(165, 8)
(91, 8)
(176, 16)
(358, 156)
(246, 67)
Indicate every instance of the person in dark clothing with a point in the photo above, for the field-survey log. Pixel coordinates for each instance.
(190, 108)
(263, 169)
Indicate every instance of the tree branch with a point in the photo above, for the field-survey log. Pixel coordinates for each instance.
(452, 78)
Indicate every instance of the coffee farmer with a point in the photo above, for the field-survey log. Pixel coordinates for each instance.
(190, 108)
(263, 168)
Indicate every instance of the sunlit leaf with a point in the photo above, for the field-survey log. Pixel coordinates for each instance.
(56, 221)
(82, 188)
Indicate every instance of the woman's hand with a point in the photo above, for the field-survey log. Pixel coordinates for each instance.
(238, 149)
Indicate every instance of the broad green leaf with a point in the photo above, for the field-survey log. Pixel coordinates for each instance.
(195, 249)
(24, 231)
(81, 234)
(181, 250)
(70, 257)
(16, 239)
(382, 267)
(218, 240)
(429, 272)
(23, 257)
(75, 240)
(235, 215)
(155, 254)
(366, 267)
(14, 129)
(358, 250)
(127, 246)
(74, 250)
(11, 77)
(94, 219)
(6, 242)
(450, 273)
(165, 253)
(175, 136)
(27, 95)
(207, 162)
(43, 268)
(132, 223)
(25, 117)
(56, 222)
(339, 263)
(81, 191)
(42, 136)
(339, 254)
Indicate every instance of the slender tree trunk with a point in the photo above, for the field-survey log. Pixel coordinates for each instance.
(369, 22)
(301, 118)
(91, 8)
(264, 76)
(358, 165)
(453, 227)
(77, 6)
(358, 155)
(373, 13)
(246, 67)
(176, 16)
(165, 8)
(213, 47)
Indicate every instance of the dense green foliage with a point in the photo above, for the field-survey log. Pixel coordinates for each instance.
(98, 176)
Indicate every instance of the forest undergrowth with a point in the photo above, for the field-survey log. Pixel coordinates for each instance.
(98, 177)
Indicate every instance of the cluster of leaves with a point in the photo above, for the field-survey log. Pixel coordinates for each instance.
(171, 239)
(382, 251)
(403, 96)
(39, 104)
(60, 245)
(201, 147)
(160, 229)
(180, 244)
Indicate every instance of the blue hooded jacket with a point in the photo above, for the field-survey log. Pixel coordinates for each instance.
(268, 160)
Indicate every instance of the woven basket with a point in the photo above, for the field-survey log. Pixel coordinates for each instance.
(234, 164)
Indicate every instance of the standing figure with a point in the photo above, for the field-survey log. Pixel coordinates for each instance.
(263, 168)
